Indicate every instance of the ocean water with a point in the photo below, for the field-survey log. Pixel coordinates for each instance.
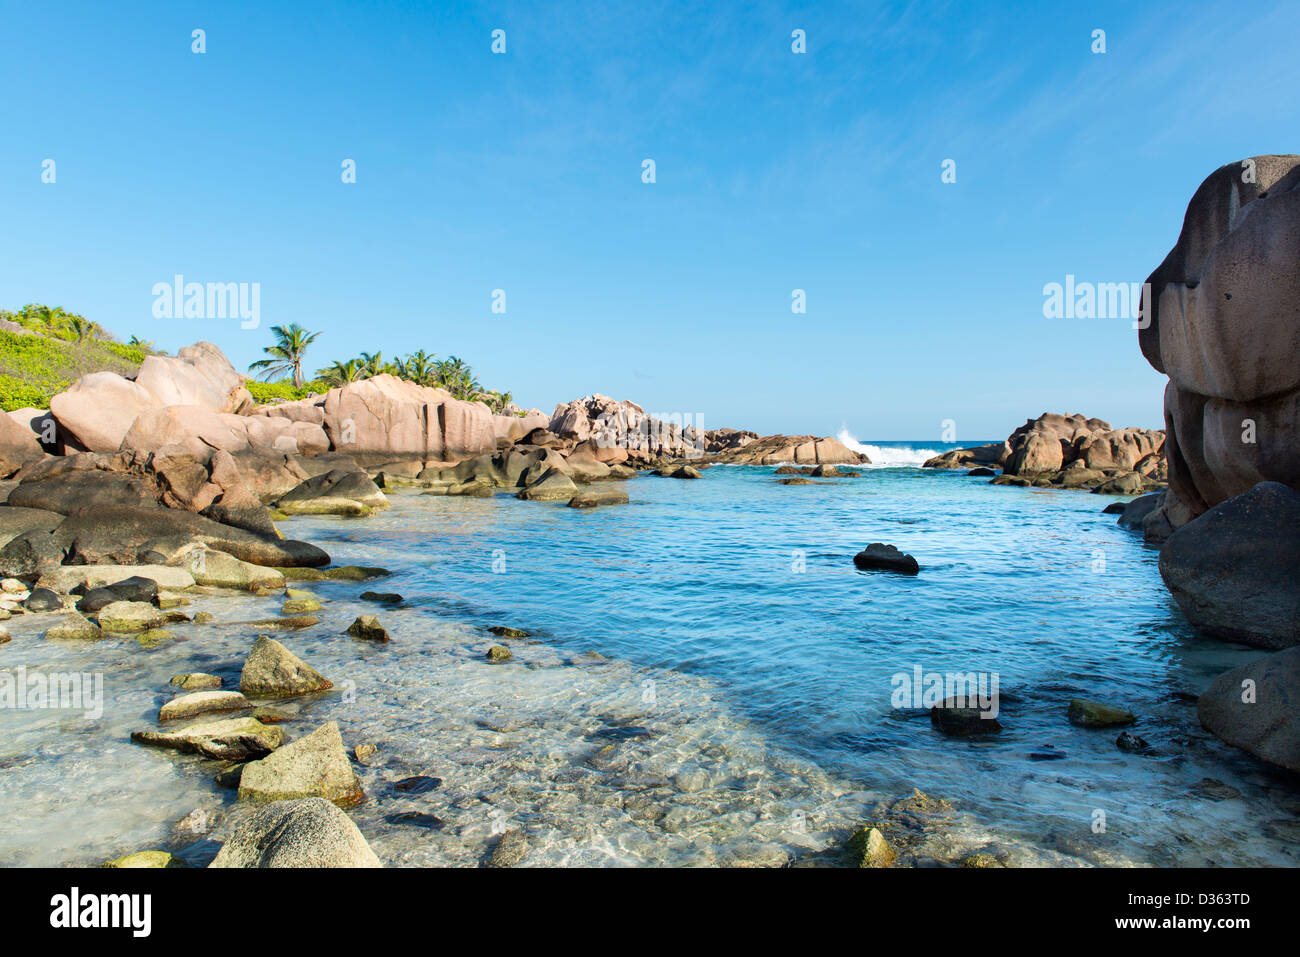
(709, 680)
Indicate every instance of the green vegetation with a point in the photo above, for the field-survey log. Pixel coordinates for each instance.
(286, 355)
(58, 348)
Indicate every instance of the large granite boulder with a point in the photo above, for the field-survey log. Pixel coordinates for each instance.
(1233, 570)
(198, 375)
(1222, 320)
(779, 449)
(309, 832)
(1257, 708)
(18, 447)
(385, 419)
(314, 766)
(99, 409)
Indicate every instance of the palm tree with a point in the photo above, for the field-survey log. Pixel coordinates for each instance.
(285, 355)
(372, 364)
(341, 373)
(53, 317)
(417, 367)
(146, 344)
(82, 328)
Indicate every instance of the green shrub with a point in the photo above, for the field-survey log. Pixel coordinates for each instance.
(283, 390)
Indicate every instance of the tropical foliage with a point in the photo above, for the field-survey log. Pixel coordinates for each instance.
(285, 354)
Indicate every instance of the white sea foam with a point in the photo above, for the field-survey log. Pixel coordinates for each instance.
(887, 456)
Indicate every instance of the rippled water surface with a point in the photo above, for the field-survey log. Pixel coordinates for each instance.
(738, 707)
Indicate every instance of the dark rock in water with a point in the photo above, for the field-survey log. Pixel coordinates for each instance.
(415, 819)
(1094, 714)
(1257, 708)
(509, 850)
(1214, 790)
(382, 597)
(228, 777)
(868, 848)
(955, 719)
(499, 653)
(1233, 570)
(1133, 514)
(419, 784)
(272, 669)
(501, 631)
(42, 599)
(1046, 756)
(1132, 743)
(135, 588)
(797, 481)
(886, 557)
(982, 471)
(786, 470)
(368, 628)
(1115, 508)
(623, 732)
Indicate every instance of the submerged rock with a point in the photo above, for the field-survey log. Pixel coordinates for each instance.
(954, 718)
(509, 851)
(272, 669)
(1094, 714)
(499, 653)
(887, 558)
(502, 631)
(300, 606)
(382, 597)
(314, 766)
(310, 832)
(1257, 708)
(231, 739)
(593, 497)
(196, 681)
(146, 859)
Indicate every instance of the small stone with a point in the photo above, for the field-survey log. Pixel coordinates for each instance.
(1213, 789)
(980, 859)
(75, 627)
(1093, 714)
(364, 753)
(168, 602)
(12, 585)
(300, 606)
(196, 680)
(509, 851)
(135, 588)
(268, 715)
(42, 599)
(230, 739)
(419, 784)
(870, 849)
(955, 718)
(499, 653)
(294, 623)
(272, 669)
(367, 628)
(382, 597)
(154, 637)
(314, 766)
(129, 616)
(355, 573)
(501, 631)
(292, 593)
(201, 702)
(1132, 743)
(203, 617)
(146, 859)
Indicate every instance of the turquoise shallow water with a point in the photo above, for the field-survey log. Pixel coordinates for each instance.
(751, 584)
(741, 712)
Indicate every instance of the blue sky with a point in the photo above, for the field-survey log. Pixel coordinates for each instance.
(522, 172)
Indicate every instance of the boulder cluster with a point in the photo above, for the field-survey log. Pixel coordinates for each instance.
(1072, 452)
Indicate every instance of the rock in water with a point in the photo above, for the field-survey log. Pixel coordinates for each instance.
(870, 849)
(145, 859)
(509, 850)
(232, 739)
(1093, 714)
(272, 669)
(886, 557)
(42, 599)
(75, 627)
(130, 616)
(314, 766)
(1257, 708)
(310, 832)
(593, 497)
(196, 681)
(201, 702)
(498, 653)
(955, 717)
(1233, 570)
(368, 628)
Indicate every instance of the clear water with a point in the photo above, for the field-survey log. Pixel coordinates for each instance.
(739, 709)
